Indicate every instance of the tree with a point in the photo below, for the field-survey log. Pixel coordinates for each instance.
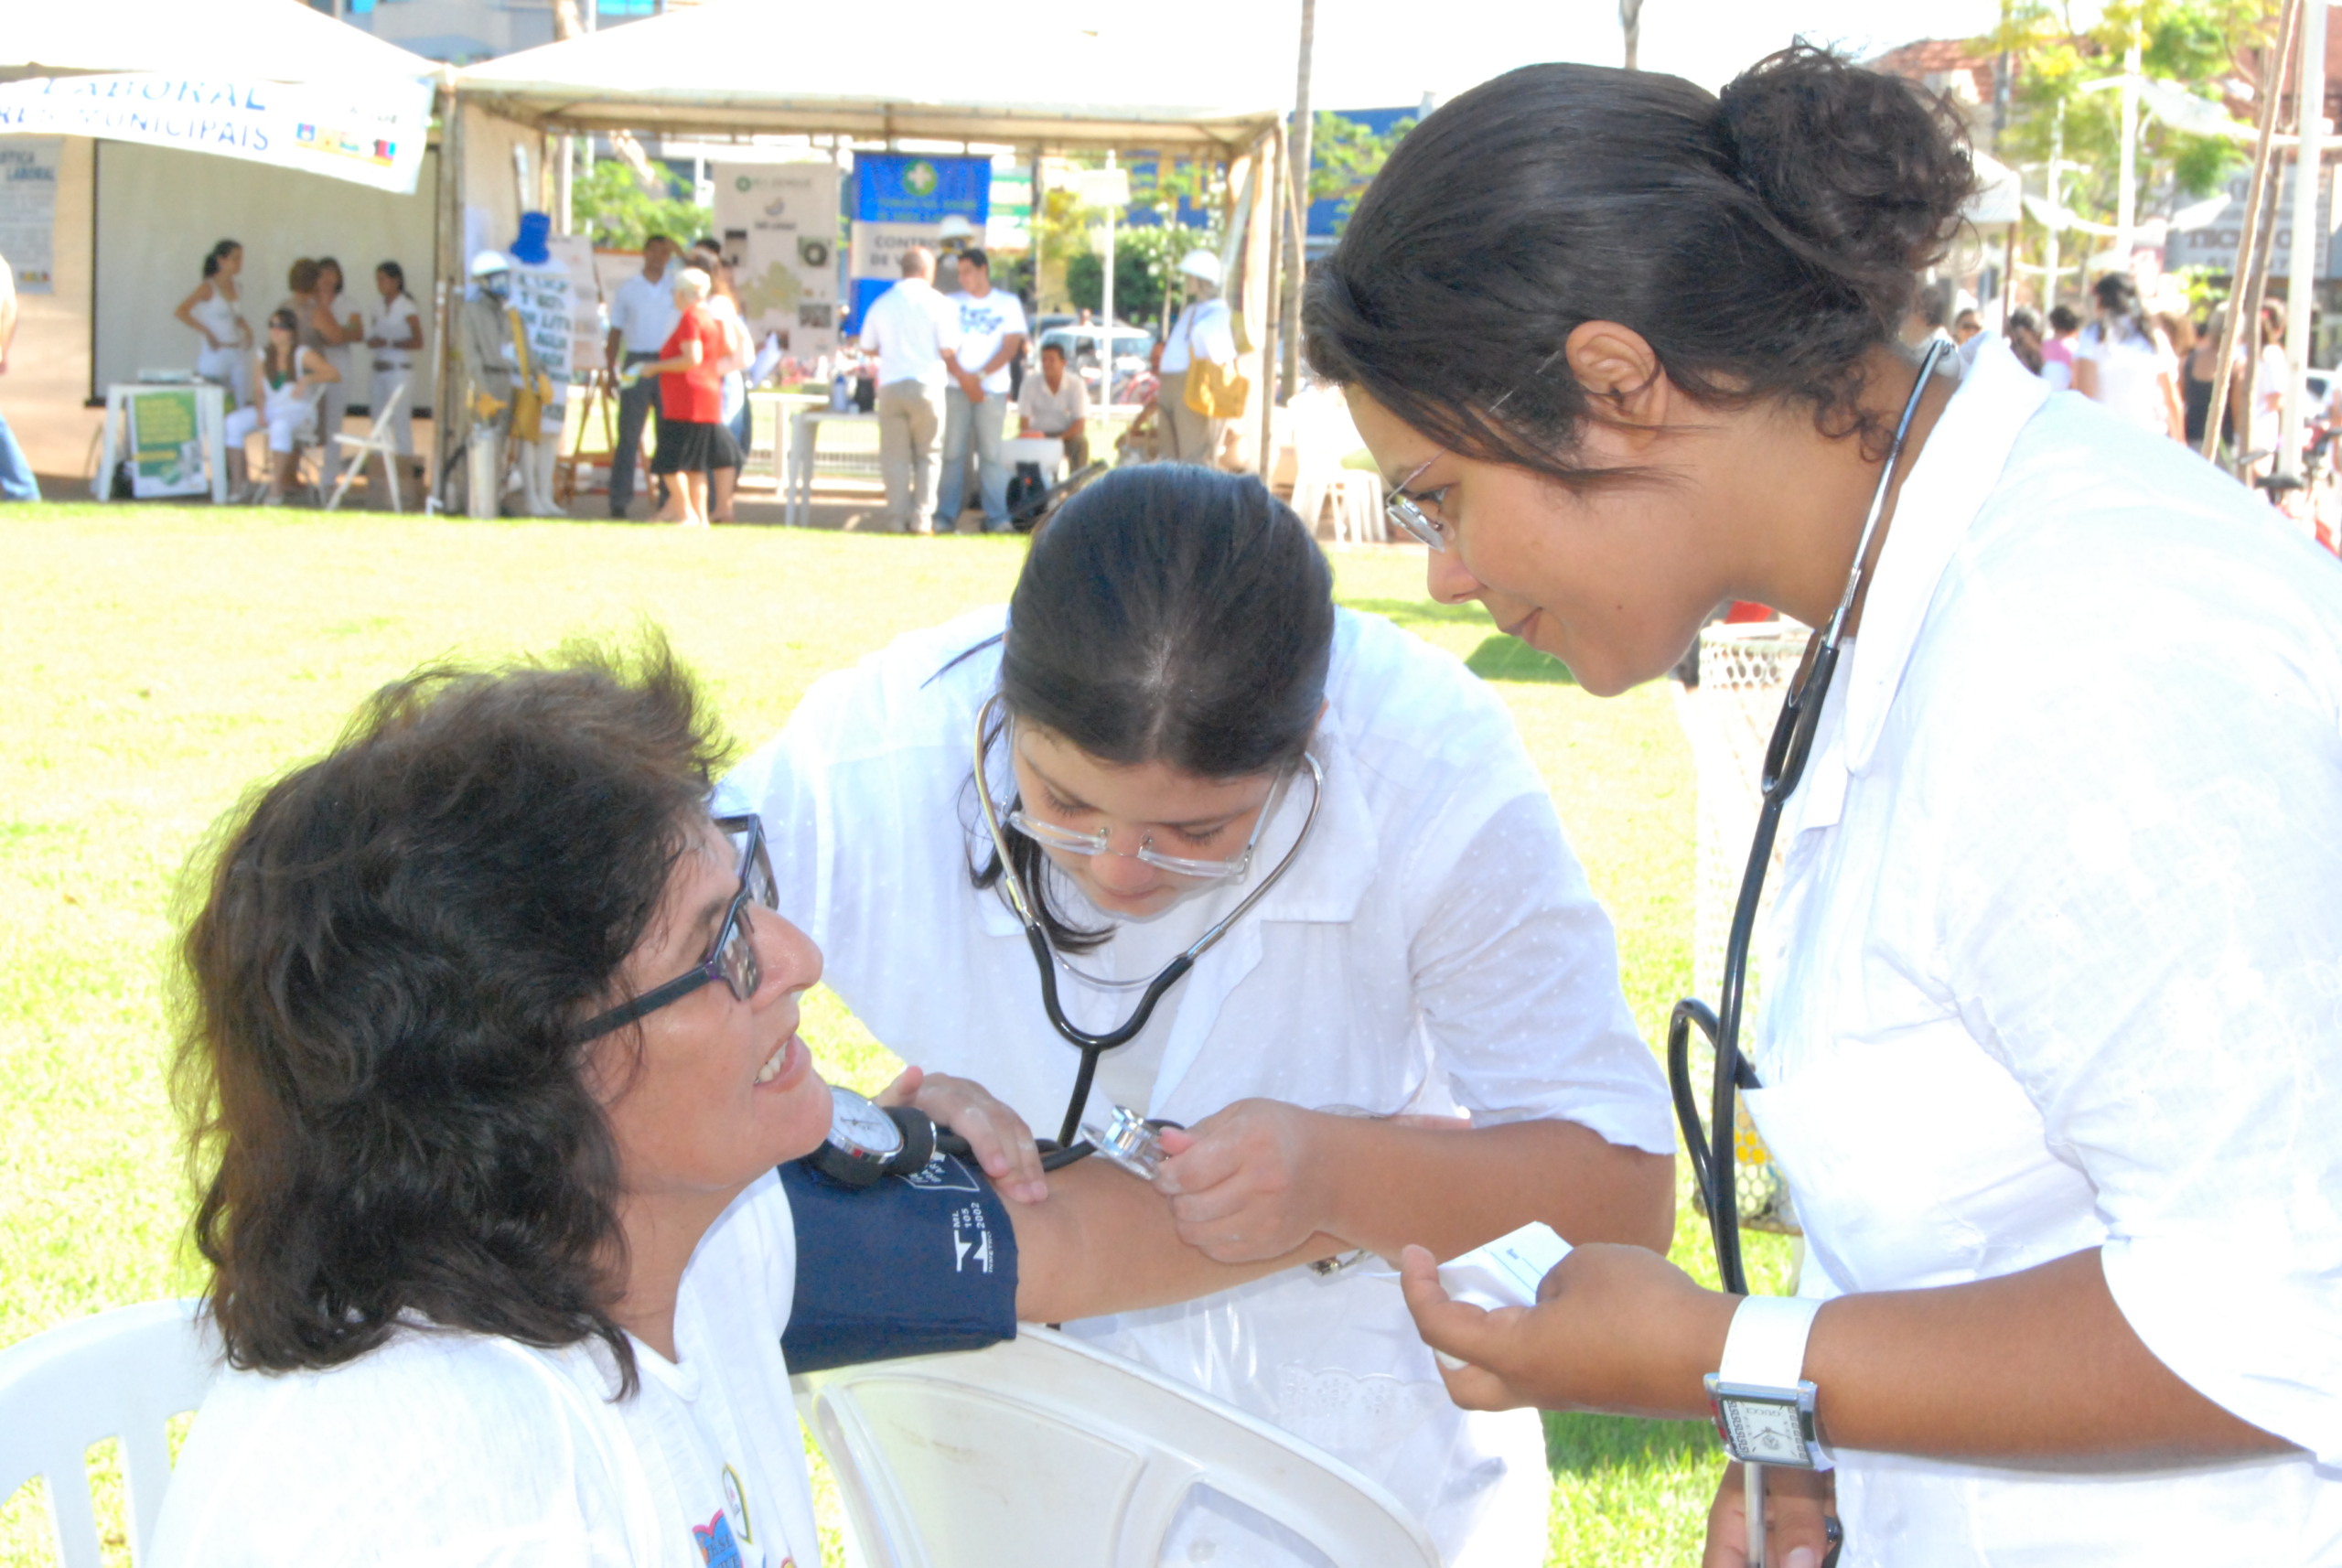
(2201, 46)
(1346, 156)
(609, 203)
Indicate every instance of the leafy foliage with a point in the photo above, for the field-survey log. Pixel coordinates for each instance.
(610, 203)
(2205, 47)
(1344, 158)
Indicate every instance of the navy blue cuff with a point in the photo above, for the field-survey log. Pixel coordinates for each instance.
(912, 1265)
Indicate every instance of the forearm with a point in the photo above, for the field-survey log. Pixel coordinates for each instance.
(1103, 1241)
(1010, 347)
(1452, 1190)
(2029, 1368)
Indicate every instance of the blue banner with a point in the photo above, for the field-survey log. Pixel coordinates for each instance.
(903, 188)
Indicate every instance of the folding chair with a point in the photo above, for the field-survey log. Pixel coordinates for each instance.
(122, 1374)
(1046, 1450)
(377, 440)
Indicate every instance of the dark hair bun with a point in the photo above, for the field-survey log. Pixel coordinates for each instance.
(1868, 172)
(1765, 245)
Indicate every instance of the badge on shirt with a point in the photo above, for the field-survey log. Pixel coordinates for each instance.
(716, 1547)
(738, 1503)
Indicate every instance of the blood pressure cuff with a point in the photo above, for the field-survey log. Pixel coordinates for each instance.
(911, 1265)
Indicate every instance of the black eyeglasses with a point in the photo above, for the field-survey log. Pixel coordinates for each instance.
(732, 957)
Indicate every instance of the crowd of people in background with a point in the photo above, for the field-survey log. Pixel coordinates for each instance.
(303, 397)
(2155, 362)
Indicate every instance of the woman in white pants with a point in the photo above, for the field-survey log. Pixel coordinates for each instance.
(214, 310)
(291, 376)
(394, 332)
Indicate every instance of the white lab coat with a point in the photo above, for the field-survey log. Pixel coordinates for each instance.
(2058, 962)
(1434, 947)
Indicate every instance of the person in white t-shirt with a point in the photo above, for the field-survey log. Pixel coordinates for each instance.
(643, 313)
(2124, 360)
(912, 330)
(394, 333)
(1056, 403)
(1205, 332)
(975, 403)
(496, 1041)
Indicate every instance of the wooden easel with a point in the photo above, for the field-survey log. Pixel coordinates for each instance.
(602, 401)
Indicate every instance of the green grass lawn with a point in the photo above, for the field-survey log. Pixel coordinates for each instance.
(166, 660)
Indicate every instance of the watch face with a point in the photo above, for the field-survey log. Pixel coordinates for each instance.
(855, 1123)
(1765, 1431)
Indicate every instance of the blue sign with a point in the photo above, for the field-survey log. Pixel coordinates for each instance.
(903, 188)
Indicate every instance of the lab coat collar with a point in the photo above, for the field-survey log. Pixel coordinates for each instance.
(1328, 880)
(1947, 487)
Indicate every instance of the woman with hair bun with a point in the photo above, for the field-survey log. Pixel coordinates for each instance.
(1171, 732)
(2050, 1053)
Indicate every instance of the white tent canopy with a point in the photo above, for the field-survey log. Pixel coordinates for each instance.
(244, 40)
(1057, 80)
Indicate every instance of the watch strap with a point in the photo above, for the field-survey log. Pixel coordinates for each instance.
(1765, 1347)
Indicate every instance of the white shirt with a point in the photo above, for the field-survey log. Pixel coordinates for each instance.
(643, 312)
(454, 1448)
(983, 323)
(393, 321)
(2062, 955)
(1053, 412)
(2130, 374)
(1433, 946)
(910, 326)
(1203, 331)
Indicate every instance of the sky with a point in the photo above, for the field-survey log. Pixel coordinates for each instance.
(1387, 53)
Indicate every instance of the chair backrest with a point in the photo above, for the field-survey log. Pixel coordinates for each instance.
(123, 1374)
(1045, 1450)
(378, 434)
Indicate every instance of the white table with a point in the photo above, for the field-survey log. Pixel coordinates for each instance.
(796, 463)
(211, 423)
(1047, 451)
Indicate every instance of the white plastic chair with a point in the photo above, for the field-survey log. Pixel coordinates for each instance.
(1045, 1450)
(1323, 434)
(378, 440)
(1357, 508)
(122, 1373)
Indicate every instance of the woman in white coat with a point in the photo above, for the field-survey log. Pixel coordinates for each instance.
(2052, 1056)
(1172, 709)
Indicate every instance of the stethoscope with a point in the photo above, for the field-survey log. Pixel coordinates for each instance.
(1070, 1146)
(1710, 1146)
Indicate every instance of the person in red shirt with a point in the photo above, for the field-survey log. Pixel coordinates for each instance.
(692, 436)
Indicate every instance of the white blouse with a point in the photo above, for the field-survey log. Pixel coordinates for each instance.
(2060, 962)
(1433, 948)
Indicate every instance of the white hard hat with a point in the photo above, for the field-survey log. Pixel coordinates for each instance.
(488, 262)
(1201, 265)
(955, 226)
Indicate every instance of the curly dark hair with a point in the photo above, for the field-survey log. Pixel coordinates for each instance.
(380, 1060)
(1763, 242)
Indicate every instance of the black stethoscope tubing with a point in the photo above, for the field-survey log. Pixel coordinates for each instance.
(1710, 1146)
(1071, 1145)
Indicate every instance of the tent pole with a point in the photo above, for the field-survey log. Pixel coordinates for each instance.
(1278, 292)
(444, 414)
(1302, 141)
(2301, 281)
(2243, 297)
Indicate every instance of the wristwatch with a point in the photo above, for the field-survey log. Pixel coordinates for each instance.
(869, 1142)
(1763, 1403)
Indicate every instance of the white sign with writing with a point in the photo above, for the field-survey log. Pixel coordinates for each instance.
(28, 209)
(780, 227)
(370, 132)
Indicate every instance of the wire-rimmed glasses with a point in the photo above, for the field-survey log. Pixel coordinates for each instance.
(1051, 836)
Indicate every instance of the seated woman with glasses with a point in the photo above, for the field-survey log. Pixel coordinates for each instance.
(1172, 748)
(492, 1050)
